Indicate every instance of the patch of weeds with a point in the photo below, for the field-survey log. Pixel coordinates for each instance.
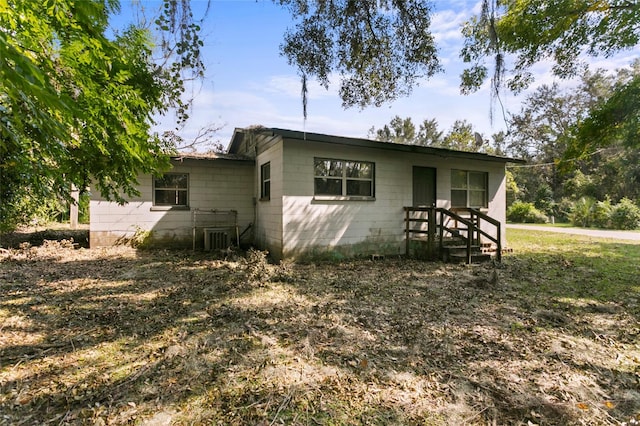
(255, 267)
(35, 237)
(49, 249)
(285, 272)
(517, 326)
(140, 239)
(322, 256)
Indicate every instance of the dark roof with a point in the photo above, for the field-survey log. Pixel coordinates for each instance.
(238, 136)
(210, 156)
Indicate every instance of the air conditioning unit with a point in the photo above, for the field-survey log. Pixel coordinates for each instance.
(216, 239)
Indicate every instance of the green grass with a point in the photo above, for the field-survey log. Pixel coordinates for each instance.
(558, 225)
(577, 266)
(569, 225)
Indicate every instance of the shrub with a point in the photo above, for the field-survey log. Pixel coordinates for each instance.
(544, 199)
(562, 210)
(523, 212)
(255, 266)
(580, 185)
(625, 215)
(83, 208)
(582, 212)
(601, 214)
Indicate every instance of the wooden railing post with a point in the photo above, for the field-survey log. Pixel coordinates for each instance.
(472, 219)
(498, 240)
(436, 227)
(431, 231)
(407, 230)
(499, 245)
(441, 234)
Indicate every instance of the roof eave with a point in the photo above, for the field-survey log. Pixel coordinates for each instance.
(341, 140)
(214, 157)
(236, 140)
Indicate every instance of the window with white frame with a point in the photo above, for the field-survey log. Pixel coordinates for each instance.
(171, 190)
(469, 189)
(343, 178)
(265, 179)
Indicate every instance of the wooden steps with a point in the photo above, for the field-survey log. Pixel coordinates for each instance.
(464, 235)
(458, 254)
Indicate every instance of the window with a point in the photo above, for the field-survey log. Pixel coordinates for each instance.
(343, 178)
(171, 189)
(265, 179)
(469, 189)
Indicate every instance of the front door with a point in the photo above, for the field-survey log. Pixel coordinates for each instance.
(424, 186)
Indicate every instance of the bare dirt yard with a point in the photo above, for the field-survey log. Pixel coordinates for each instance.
(117, 336)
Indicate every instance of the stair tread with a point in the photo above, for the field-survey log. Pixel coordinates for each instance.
(479, 257)
(473, 246)
(478, 254)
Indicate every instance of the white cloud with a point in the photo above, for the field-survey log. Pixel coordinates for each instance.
(291, 86)
(445, 25)
(286, 85)
(441, 85)
(621, 60)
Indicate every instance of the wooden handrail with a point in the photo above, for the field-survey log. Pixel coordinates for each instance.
(478, 229)
(430, 231)
(470, 229)
(498, 225)
(472, 223)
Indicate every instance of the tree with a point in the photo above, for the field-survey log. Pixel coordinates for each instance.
(379, 48)
(402, 130)
(563, 32)
(77, 106)
(615, 120)
(547, 129)
(612, 162)
(173, 143)
(429, 133)
(499, 143)
(540, 133)
(399, 130)
(461, 137)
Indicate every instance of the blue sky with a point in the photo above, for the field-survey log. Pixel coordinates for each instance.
(248, 82)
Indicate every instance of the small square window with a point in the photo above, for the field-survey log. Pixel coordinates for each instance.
(469, 189)
(171, 189)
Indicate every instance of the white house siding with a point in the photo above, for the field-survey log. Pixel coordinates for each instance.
(496, 188)
(364, 227)
(268, 233)
(213, 184)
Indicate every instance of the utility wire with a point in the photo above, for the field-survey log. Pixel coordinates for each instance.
(524, 166)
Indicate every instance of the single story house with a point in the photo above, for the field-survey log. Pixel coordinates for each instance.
(295, 193)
